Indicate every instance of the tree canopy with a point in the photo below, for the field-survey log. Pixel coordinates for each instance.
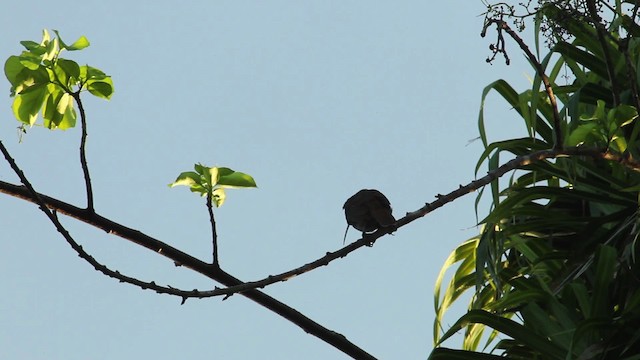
(554, 271)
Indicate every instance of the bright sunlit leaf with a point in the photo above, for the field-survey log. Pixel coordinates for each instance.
(211, 181)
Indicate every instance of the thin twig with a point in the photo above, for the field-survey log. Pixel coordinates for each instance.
(516, 163)
(83, 155)
(601, 31)
(557, 123)
(369, 239)
(214, 234)
(78, 248)
(631, 73)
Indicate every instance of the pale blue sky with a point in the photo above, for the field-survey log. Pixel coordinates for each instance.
(316, 100)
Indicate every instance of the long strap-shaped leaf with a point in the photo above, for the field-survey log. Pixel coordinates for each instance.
(510, 328)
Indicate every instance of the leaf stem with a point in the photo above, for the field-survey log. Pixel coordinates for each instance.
(83, 155)
(214, 234)
(601, 31)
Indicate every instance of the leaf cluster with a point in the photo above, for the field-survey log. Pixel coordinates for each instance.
(44, 83)
(212, 181)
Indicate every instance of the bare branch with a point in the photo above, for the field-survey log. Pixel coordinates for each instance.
(83, 155)
(52, 215)
(90, 217)
(441, 200)
(557, 124)
(214, 234)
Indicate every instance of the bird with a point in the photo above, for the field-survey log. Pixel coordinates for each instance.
(368, 210)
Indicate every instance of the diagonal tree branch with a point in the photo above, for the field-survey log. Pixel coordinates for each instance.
(27, 192)
(249, 289)
(442, 200)
(184, 259)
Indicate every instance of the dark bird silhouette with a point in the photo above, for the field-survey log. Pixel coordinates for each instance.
(367, 211)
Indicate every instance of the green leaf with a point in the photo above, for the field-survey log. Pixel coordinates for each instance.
(451, 354)
(12, 68)
(79, 44)
(510, 328)
(585, 133)
(513, 98)
(97, 82)
(50, 112)
(466, 254)
(188, 178)
(66, 108)
(518, 298)
(53, 49)
(88, 72)
(27, 78)
(582, 57)
(45, 37)
(59, 112)
(70, 67)
(218, 196)
(558, 330)
(34, 48)
(234, 179)
(605, 270)
(30, 62)
(212, 181)
(598, 114)
(625, 114)
(27, 105)
(102, 89)
(209, 178)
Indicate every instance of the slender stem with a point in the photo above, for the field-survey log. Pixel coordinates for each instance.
(83, 155)
(53, 217)
(601, 31)
(214, 234)
(557, 123)
(631, 73)
(441, 200)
